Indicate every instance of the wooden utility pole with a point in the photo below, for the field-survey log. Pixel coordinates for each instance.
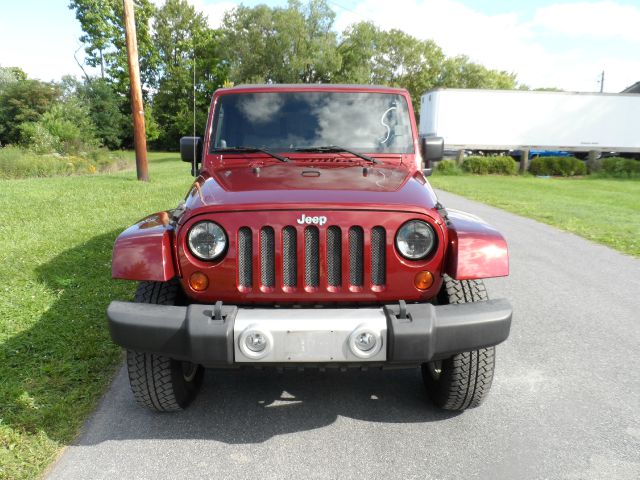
(137, 109)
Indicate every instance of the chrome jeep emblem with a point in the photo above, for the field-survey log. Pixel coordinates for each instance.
(311, 220)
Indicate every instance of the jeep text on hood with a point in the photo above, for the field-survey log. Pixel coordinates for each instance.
(310, 238)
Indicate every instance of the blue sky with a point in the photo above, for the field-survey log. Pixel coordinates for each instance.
(546, 43)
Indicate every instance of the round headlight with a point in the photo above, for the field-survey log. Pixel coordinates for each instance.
(207, 240)
(415, 239)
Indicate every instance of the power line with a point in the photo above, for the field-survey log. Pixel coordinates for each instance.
(351, 11)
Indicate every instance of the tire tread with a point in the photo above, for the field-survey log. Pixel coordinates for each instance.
(466, 377)
(151, 376)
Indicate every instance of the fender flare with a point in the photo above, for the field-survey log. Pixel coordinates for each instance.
(144, 251)
(476, 249)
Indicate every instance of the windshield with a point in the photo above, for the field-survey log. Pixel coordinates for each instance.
(286, 121)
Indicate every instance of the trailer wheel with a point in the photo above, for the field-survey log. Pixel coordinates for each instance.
(463, 380)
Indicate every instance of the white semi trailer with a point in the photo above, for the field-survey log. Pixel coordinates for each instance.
(508, 120)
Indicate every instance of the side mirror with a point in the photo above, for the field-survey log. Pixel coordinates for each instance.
(190, 146)
(431, 149)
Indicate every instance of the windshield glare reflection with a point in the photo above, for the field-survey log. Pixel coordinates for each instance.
(284, 121)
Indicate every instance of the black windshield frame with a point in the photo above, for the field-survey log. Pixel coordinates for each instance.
(365, 122)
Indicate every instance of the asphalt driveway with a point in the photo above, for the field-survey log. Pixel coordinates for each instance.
(565, 401)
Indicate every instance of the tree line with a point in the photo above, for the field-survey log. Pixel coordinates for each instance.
(292, 44)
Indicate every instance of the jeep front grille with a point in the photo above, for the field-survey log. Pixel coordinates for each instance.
(321, 253)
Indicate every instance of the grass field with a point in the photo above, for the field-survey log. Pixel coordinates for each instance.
(56, 236)
(56, 357)
(605, 211)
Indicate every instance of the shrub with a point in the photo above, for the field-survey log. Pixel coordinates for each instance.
(448, 167)
(38, 139)
(619, 167)
(70, 122)
(20, 163)
(557, 166)
(497, 164)
(24, 101)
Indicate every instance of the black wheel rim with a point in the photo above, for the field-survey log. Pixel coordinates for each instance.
(435, 369)
(189, 371)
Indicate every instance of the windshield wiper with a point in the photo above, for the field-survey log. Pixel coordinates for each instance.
(336, 148)
(250, 149)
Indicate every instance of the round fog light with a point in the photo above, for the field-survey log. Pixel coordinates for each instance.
(365, 341)
(255, 341)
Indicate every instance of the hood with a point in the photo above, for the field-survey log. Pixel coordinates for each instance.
(290, 185)
(323, 176)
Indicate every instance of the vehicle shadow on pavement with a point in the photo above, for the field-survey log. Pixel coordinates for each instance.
(251, 406)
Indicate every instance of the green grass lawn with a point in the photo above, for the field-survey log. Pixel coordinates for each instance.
(602, 210)
(56, 358)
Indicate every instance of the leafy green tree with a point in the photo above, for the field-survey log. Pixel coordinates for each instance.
(105, 110)
(10, 75)
(104, 39)
(459, 72)
(358, 50)
(395, 58)
(372, 55)
(24, 101)
(294, 44)
(65, 127)
(182, 37)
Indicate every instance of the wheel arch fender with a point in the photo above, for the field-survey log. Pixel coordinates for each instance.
(144, 251)
(475, 249)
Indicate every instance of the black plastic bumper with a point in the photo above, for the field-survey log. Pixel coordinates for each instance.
(415, 334)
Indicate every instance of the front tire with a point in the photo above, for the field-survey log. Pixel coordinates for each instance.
(463, 380)
(161, 383)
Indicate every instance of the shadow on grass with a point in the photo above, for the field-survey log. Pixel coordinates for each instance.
(168, 157)
(53, 373)
(56, 371)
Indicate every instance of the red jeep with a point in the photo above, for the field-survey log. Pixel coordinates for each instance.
(310, 238)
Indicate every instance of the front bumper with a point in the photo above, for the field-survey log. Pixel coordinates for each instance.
(212, 335)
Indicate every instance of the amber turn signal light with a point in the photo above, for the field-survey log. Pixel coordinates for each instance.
(198, 281)
(423, 280)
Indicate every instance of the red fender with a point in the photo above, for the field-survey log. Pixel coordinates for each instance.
(144, 251)
(476, 249)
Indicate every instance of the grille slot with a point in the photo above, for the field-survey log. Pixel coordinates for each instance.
(267, 257)
(312, 256)
(245, 258)
(334, 256)
(378, 256)
(356, 256)
(289, 257)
